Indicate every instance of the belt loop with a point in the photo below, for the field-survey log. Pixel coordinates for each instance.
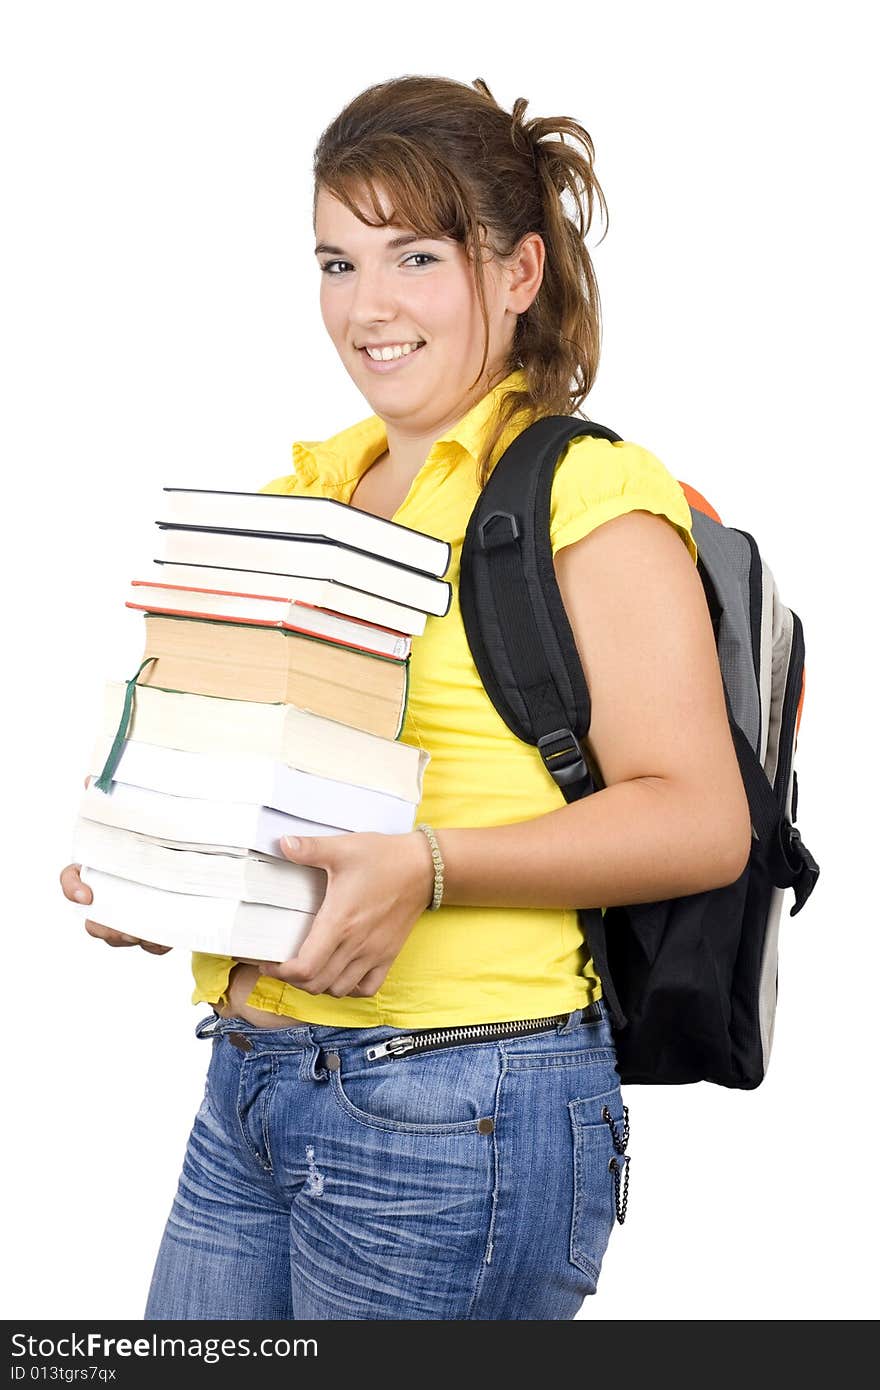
(208, 1027)
(571, 1022)
(311, 1067)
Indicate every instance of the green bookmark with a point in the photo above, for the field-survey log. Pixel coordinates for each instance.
(106, 777)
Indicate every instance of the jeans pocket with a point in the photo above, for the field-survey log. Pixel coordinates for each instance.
(599, 1126)
(450, 1091)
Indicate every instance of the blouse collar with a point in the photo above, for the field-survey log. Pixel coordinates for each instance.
(345, 457)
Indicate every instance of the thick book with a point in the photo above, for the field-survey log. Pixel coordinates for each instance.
(269, 612)
(281, 732)
(218, 926)
(195, 820)
(323, 517)
(244, 778)
(211, 872)
(242, 662)
(311, 558)
(324, 594)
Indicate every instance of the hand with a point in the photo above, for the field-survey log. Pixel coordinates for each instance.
(78, 892)
(377, 888)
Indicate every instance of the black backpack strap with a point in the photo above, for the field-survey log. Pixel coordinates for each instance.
(514, 618)
(518, 630)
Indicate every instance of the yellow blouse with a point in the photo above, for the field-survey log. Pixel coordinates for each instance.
(468, 964)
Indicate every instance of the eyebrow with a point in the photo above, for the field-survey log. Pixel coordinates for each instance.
(393, 244)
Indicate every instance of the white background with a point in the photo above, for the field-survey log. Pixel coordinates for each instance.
(161, 327)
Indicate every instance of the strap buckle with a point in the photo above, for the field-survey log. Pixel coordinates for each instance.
(807, 870)
(499, 536)
(563, 758)
(791, 864)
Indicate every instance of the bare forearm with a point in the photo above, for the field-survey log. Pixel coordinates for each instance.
(637, 841)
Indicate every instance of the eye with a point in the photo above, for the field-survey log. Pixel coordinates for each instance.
(326, 268)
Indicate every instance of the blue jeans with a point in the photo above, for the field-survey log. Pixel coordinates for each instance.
(470, 1182)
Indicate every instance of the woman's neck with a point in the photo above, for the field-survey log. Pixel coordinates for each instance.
(408, 445)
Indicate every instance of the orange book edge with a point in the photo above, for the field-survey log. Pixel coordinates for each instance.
(264, 598)
(267, 622)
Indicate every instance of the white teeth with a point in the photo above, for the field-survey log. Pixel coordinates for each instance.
(388, 354)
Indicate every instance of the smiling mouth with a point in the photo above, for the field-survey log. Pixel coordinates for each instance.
(399, 358)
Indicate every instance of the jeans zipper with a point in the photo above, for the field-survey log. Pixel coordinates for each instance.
(450, 1037)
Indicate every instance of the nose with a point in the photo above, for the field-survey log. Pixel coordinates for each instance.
(373, 300)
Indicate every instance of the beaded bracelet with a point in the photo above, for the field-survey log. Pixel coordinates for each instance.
(439, 866)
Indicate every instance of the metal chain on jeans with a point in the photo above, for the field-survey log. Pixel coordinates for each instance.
(620, 1142)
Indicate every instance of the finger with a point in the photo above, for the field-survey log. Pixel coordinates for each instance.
(349, 977)
(313, 956)
(324, 980)
(96, 929)
(371, 982)
(108, 934)
(120, 938)
(300, 848)
(319, 980)
(321, 851)
(72, 885)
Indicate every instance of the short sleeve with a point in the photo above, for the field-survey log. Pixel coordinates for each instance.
(304, 474)
(598, 480)
(285, 485)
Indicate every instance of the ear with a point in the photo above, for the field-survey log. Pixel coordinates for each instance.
(525, 272)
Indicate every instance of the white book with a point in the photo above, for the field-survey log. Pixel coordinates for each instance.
(232, 823)
(324, 517)
(212, 872)
(286, 733)
(317, 559)
(294, 588)
(258, 781)
(218, 926)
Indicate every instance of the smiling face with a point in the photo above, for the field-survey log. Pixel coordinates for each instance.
(376, 292)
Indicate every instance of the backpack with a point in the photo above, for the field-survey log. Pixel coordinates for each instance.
(690, 982)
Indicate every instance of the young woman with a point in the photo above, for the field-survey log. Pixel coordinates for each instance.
(477, 1176)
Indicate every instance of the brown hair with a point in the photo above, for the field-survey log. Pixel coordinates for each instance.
(454, 162)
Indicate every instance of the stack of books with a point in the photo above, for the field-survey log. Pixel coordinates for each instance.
(269, 702)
